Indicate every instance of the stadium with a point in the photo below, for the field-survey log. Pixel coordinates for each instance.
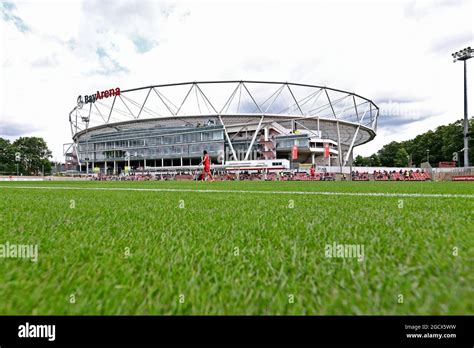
(134, 243)
(240, 123)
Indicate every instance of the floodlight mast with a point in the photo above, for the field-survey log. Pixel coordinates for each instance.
(464, 55)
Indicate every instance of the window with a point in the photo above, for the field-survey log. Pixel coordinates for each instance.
(150, 141)
(120, 144)
(217, 135)
(197, 148)
(192, 137)
(302, 142)
(205, 136)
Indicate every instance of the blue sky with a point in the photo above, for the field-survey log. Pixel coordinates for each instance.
(395, 53)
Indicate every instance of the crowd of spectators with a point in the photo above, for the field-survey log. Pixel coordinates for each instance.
(393, 175)
(360, 176)
(401, 175)
(220, 176)
(377, 175)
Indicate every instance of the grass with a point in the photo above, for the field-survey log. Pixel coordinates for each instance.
(237, 253)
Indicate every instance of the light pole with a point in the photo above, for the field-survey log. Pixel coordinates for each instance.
(428, 156)
(464, 55)
(17, 160)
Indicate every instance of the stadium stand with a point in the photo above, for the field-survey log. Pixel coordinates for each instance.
(360, 176)
(401, 175)
(377, 175)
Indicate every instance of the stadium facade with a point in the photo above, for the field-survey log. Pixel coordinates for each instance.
(169, 126)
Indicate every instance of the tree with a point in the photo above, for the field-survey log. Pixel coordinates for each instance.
(360, 161)
(374, 160)
(34, 154)
(401, 158)
(387, 154)
(7, 157)
(441, 143)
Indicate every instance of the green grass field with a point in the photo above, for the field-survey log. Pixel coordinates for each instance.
(119, 252)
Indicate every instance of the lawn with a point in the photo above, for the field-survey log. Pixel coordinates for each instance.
(109, 248)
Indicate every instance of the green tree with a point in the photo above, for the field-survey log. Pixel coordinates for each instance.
(441, 143)
(360, 161)
(7, 157)
(374, 160)
(387, 154)
(34, 154)
(401, 158)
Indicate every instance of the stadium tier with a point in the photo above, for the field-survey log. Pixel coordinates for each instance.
(169, 126)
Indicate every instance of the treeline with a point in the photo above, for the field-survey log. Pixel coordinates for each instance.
(28, 155)
(441, 144)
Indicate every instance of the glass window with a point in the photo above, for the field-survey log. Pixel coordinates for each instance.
(217, 135)
(197, 148)
(205, 136)
(192, 137)
(302, 142)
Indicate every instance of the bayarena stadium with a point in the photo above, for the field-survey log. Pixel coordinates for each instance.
(243, 125)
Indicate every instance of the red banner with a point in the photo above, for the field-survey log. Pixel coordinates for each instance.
(326, 150)
(294, 152)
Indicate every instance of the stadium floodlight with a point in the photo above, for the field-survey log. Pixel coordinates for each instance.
(428, 156)
(464, 55)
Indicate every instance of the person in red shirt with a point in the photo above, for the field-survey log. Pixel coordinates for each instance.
(207, 166)
(312, 172)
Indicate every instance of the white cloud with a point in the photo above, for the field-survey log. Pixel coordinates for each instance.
(396, 52)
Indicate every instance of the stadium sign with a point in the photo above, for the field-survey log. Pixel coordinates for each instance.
(99, 95)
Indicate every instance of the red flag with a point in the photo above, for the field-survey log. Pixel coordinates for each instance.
(294, 152)
(326, 150)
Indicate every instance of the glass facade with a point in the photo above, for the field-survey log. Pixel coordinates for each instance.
(171, 145)
(285, 143)
(152, 144)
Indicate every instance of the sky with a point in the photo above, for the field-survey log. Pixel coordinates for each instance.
(396, 53)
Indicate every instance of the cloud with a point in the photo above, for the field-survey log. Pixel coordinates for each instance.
(137, 21)
(11, 129)
(108, 66)
(420, 8)
(452, 43)
(398, 97)
(45, 62)
(394, 122)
